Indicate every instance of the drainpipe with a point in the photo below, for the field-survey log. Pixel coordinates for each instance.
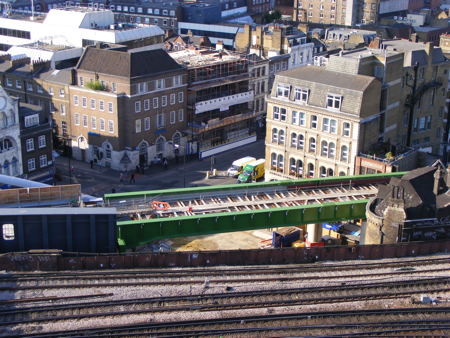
(411, 107)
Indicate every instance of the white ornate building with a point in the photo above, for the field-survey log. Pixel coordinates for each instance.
(10, 148)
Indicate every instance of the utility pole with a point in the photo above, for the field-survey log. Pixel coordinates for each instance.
(412, 104)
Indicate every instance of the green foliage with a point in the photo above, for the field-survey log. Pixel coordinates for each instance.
(272, 16)
(95, 85)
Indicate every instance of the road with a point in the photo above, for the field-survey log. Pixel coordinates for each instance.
(99, 180)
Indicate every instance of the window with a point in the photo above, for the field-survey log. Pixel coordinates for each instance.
(114, 87)
(43, 161)
(147, 123)
(180, 97)
(110, 107)
(173, 117)
(333, 126)
(283, 90)
(283, 114)
(274, 135)
(147, 104)
(301, 94)
(29, 86)
(81, 81)
(173, 98)
(84, 102)
(159, 84)
(302, 120)
(39, 89)
(93, 122)
(314, 121)
(8, 232)
(428, 122)
(110, 126)
(61, 92)
(155, 102)
(346, 129)
(62, 109)
(273, 160)
(137, 106)
(331, 150)
(324, 149)
(85, 121)
(29, 144)
(41, 141)
(276, 113)
(310, 170)
(180, 115)
(92, 104)
(164, 101)
(75, 100)
(160, 120)
(101, 105)
(280, 161)
(301, 141)
(334, 101)
(326, 124)
(138, 126)
(281, 136)
(31, 164)
(294, 117)
(312, 145)
(102, 124)
(50, 91)
(77, 119)
(294, 140)
(32, 120)
(9, 82)
(344, 153)
(18, 84)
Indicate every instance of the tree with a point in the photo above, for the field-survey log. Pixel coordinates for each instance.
(272, 16)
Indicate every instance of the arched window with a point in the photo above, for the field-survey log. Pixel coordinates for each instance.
(7, 144)
(310, 170)
(344, 153)
(341, 173)
(14, 167)
(274, 160)
(294, 140)
(160, 143)
(331, 150)
(274, 135)
(330, 172)
(176, 138)
(312, 145)
(324, 148)
(280, 161)
(299, 167)
(4, 120)
(281, 136)
(292, 166)
(323, 171)
(6, 169)
(301, 141)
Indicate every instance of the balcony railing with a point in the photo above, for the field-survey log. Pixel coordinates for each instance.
(223, 103)
(216, 123)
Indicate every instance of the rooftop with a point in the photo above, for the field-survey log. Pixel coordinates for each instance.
(320, 75)
(194, 58)
(367, 52)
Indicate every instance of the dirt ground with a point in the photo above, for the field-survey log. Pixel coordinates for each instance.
(225, 241)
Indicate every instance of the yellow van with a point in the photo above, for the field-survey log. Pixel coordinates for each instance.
(237, 166)
(252, 171)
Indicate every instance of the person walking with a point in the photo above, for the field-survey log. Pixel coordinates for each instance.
(165, 164)
(132, 180)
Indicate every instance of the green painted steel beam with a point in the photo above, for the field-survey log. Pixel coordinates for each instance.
(134, 233)
(253, 186)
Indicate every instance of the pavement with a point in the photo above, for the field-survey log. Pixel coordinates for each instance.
(98, 180)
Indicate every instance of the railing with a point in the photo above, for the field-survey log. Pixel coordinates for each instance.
(220, 123)
(387, 160)
(223, 102)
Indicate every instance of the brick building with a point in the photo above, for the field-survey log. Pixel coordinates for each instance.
(127, 108)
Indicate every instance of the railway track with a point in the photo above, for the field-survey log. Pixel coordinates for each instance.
(328, 322)
(130, 280)
(225, 301)
(212, 271)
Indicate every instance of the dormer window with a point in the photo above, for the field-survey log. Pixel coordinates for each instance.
(283, 90)
(334, 101)
(301, 94)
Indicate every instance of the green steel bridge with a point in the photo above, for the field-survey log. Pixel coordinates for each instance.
(228, 208)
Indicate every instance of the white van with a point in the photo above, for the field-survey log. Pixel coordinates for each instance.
(238, 165)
